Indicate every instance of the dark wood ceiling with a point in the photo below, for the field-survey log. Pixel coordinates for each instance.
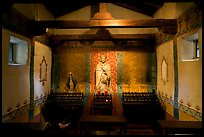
(62, 7)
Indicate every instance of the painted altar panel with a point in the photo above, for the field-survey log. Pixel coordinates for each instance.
(134, 67)
(95, 54)
(72, 60)
(134, 73)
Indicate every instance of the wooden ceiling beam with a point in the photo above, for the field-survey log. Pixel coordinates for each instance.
(112, 37)
(168, 29)
(145, 23)
(134, 36)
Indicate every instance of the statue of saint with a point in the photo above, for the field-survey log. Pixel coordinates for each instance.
(103, 76)
(71, 82)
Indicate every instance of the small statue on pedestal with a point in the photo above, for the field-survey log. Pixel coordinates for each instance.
(71, 82)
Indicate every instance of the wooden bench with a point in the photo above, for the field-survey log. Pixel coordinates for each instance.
(142, 106)
(107, 121)
(22, 129)
(180, 127)
(61, 106)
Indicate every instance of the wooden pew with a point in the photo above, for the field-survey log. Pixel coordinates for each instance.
(22, 129)
(180, 127)
(88, 122)
(142, 106)
(63, 106)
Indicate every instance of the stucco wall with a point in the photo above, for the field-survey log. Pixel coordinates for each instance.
(15, 79)
(40, 52)
(165, 51)
(118, 12)
(172, 10)
(77, 15)
(181, 7)
(167, 11)
(188, 91)
(190, 76)
(17, 90)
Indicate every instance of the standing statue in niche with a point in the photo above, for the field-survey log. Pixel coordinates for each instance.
(103, 76)
(71, 82)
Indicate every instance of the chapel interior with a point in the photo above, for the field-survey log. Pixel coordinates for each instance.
(117, 67)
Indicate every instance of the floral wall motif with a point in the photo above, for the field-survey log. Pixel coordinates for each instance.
(44, 39)
(189, 21)
(186, 112)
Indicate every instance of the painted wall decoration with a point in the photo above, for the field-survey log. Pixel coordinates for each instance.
(164, 70)
(189, 21)
(73, 60)
(135, 66)
(134, 70)
(43, 71)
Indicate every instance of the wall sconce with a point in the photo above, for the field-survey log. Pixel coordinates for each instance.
(9, 109)
(189, 104)
(197, 108)
(181, 101)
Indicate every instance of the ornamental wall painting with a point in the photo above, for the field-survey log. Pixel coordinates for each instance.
(164, 70)
(43, 71)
